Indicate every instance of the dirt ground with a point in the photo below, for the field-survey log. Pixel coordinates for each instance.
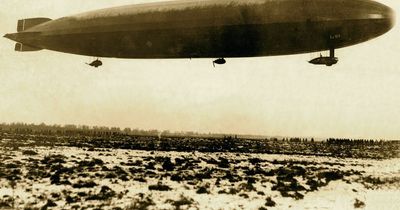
(94, 178)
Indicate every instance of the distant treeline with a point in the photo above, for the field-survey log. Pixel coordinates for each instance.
(99, 131)
(76, 130)
(73, 130)
(357, 141)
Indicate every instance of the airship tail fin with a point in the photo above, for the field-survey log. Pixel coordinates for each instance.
(26, 24)
(25, 48)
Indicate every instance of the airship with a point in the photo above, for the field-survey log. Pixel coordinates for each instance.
(215, 29)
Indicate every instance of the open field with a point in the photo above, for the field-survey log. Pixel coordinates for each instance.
(341, 148)
(39, 172)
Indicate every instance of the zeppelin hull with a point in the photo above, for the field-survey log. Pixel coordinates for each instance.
(203, 29)
(228, 41)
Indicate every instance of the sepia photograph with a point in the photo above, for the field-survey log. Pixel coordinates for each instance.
(200, 104)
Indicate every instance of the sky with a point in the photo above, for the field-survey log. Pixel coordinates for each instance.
(276, 96)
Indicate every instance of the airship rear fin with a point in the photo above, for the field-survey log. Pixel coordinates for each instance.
(26, 24)
(25, 48)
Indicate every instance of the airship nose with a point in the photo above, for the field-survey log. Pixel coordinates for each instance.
(381, 18)
(389, 17)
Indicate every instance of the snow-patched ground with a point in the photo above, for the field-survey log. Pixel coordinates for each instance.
(76, 178)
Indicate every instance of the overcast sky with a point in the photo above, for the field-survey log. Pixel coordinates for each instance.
(358, 98)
